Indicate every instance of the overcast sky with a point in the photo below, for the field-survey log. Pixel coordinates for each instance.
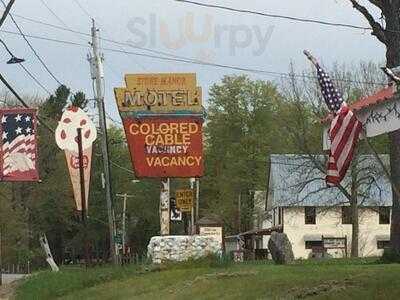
(165, 25)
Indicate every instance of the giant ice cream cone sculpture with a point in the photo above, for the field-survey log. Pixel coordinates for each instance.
(67, 139)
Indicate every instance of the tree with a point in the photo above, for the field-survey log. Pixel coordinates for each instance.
(301, 121)
(389, 35)
(240, 132)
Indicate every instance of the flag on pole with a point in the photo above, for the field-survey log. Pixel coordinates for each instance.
(18, 151)
(344, 131)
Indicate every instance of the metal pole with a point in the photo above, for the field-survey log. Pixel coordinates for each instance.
(98, 75)
(197, 198)
(83, 195)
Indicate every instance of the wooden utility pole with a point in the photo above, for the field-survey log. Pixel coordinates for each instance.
(97, 73)
(124, 197)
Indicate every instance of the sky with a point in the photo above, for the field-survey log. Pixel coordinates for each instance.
(208, 34)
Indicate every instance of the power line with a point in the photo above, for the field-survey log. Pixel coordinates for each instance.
(6, 11)
(197, 62)
(178, 58)
(17, 96)
(83, 9)
(296, 19)
(34, 78)
(54, 14)
(33, 49)
(92, 18)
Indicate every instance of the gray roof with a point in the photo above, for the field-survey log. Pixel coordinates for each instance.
(295, 181)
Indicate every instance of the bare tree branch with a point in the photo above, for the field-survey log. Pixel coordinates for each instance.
(377, 29)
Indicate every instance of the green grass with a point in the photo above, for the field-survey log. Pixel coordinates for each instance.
(207, 279)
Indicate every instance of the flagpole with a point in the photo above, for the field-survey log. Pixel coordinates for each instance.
(385, 170)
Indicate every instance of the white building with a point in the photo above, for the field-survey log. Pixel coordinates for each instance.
(317, 219)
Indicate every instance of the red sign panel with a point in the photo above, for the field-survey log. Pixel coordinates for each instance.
(166, 147)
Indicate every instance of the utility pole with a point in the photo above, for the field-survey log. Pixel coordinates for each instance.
(125, 197)
(97, 73)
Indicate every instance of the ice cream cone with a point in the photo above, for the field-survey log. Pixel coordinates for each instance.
(73, 167)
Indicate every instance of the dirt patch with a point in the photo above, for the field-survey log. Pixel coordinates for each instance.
(322, 288)
(7, 290)
(221, 275)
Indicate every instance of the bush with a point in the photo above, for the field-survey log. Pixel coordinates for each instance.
(390, 256)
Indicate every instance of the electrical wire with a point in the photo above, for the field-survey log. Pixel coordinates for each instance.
(198, 62)
(122, 168)
(33, 49)
(296, 19)
(92, 18)
(34, 78)
(54, 14)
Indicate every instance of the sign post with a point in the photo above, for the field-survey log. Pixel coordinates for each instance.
(164, 207)
(83, 194)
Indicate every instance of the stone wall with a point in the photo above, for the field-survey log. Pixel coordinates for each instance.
(181, 248)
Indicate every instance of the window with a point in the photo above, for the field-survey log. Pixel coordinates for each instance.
(280, 216)
(384, 215)
(382, 244)
(346, 215)
(314, 244)
(309, 214)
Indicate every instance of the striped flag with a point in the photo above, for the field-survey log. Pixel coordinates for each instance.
(18, 151)
(344, 131)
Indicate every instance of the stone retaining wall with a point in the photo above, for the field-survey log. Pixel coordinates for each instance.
(181, 248)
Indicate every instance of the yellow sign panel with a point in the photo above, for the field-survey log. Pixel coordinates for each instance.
(158, 100)
(160, 93)
(161, 81)
(184, 200)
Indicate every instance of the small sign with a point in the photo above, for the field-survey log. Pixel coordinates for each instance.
(334, 243)
(176, 214)
(214, 232)
(184, 200)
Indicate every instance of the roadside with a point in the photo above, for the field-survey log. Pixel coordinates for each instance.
(10, 282)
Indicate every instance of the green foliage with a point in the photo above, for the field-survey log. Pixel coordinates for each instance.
(341, 279)
(243, 127)
(79, 100)
(390, 255)
(55, 104)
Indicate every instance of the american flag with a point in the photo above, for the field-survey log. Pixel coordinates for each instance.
(18, 145)
(344, 131)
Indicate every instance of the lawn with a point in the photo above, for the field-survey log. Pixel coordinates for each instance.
(334, 279)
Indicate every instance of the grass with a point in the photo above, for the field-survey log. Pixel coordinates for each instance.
(209, 279)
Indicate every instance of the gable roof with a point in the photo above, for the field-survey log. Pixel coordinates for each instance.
(380, 96)
(295, 181)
